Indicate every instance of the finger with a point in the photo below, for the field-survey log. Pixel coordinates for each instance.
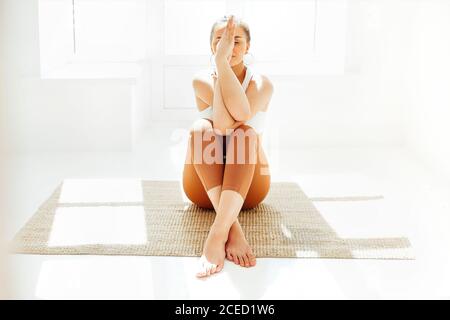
(230, 33)
(230, 23)
(232, 30)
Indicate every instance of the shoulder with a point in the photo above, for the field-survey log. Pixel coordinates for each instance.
(203, 85)
(261, 83)
(203, 80)
(261, 89)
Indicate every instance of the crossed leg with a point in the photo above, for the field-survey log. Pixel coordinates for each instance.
(237, 176)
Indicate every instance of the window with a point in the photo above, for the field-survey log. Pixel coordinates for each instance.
(109, 30)
(298, 37)
(281, 29)
(91, 31)
(288, 36)
(187, 25)
(169, 40)
(55, 33)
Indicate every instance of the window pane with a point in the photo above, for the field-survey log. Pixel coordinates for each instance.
(280, 29)
(110, 30)
(55, 33)
(331, 30)
(188, 24)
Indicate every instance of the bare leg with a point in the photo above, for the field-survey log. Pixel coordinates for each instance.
(237, 248)
(237, 179)
(209, 173)
(212, 260)
(214, 196)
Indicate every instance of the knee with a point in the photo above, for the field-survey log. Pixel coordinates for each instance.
(201, 125)
(241, 133)
(200, 202)
(247, 205)
(200, 130)
(193, 192)
(245, 131)
(245, 127)
(252, 201)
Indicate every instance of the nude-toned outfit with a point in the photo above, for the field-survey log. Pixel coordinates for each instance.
(244, 167)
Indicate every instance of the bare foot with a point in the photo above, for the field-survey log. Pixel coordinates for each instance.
(237, 248)
(213, 256)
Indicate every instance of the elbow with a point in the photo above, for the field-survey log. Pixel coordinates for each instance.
(244, 116)
(219, 128)
(241, 114)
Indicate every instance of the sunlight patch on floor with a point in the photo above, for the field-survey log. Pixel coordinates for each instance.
(75, 226)
(101, 190)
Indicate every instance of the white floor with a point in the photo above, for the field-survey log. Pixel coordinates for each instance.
(416, 204)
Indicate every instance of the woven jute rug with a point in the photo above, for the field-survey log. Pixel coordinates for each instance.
(163, 223)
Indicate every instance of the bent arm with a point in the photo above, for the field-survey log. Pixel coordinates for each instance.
(233, 93)
(222, 119)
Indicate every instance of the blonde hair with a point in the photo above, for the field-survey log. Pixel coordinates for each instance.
(239, 23)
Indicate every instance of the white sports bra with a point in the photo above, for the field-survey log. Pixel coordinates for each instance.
(257, 121)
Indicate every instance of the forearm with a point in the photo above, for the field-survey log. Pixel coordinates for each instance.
(222, 118)
(233, 93)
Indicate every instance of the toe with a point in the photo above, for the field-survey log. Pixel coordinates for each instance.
(202, 268)
(201, 274)
(229, 256)
(252, 259)
(236, 259)
(213, 269)
(241, 261)
(246, 262)
(208, 270)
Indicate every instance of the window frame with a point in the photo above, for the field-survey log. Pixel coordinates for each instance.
(156, 62)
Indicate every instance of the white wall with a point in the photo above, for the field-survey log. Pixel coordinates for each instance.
(428, 115)
(56, 115)
(363, 107)
(3, 166)
(366, 105)
(68, 115)
(393, 92)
